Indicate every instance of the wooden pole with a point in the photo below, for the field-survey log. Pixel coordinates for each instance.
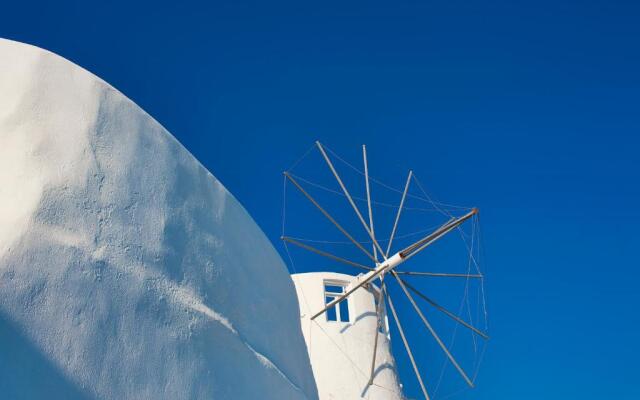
(433, 333)
(324, 253)
(366, 179)
(328, 216)
(395, 224)
(346, 193)
(440, 274)
(377, 333)
(421, 244)
(442, 309)
(406, 346)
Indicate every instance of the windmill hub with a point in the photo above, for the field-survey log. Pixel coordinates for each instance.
(391, 262)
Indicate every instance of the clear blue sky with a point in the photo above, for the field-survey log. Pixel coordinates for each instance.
(529, 110)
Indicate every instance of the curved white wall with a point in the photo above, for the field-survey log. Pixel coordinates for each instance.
(341, 353)
(127, 270)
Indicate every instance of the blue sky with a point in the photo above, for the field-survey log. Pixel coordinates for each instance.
(529, 110)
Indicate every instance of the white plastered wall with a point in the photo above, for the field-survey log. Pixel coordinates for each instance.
(341, 352)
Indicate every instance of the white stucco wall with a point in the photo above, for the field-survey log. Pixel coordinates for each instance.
(340, 352)
(127, 270)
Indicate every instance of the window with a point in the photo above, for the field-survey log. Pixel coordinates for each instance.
(339, 312)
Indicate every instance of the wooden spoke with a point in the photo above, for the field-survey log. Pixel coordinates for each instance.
(324, 253)
(440, 274)
(328, 216)
(378, 321)
(433, 332)
(442, 309)
(346, 193)
(407, 348)
(423, 243)
(366, 180)
(395, 224)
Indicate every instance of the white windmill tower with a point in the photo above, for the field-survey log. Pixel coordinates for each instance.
(344, 317)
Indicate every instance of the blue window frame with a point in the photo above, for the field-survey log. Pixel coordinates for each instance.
(339, 312)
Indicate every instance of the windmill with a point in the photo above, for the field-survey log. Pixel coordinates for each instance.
(388, 266)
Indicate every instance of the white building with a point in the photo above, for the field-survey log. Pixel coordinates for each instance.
(127, 270)
(341, 341)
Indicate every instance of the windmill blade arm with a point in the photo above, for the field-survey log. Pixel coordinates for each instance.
(366, 180)
(421, 244)
(433, 332)
(346, 193)
(328, 216)
(376, 333)
(442, 309)
(395, 224)
(439, 274)
(407, 347)
(324, 253)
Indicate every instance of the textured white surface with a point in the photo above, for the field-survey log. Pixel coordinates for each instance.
(127, 271)
(341, 353)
